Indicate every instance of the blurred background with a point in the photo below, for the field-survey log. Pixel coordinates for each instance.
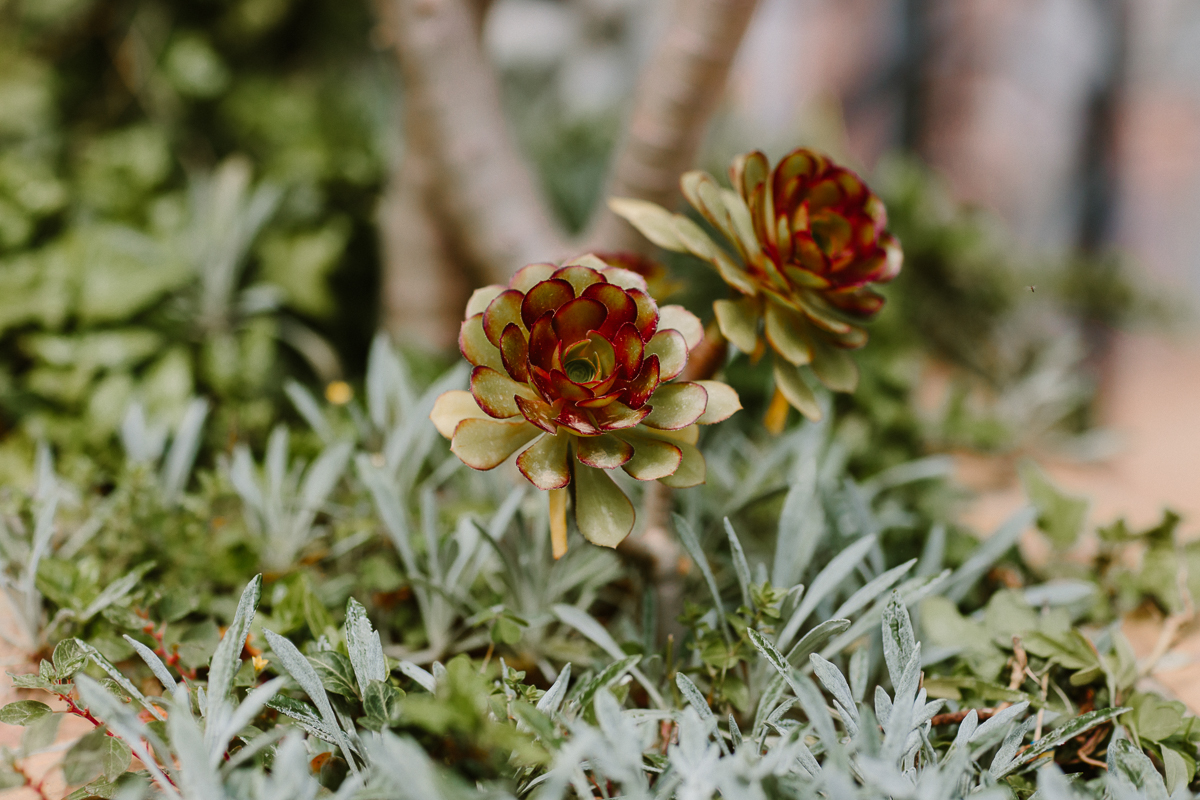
(216, 196)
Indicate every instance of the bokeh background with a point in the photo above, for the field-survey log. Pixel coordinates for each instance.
(216, 196)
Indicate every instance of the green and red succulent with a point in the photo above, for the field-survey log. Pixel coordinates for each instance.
(810, 238)
(572, 367)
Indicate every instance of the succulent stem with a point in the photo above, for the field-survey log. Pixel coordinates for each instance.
(777, 412)
(558, 522)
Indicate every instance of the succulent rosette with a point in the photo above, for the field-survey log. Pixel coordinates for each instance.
(810, 240)
(571, 368)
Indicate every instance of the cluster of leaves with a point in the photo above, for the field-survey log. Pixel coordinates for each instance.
(141, 253)
(471, 663)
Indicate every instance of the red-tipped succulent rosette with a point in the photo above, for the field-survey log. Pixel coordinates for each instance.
(572, 367)
(809, 238)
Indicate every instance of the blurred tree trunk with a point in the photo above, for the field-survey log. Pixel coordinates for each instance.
(679, 89)
(424, 284)
(473, 210)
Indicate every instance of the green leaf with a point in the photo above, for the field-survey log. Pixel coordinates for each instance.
(40, 732)
(31, 681)
(816, 638)
(583, 693)
(381, 702)
(94, 755)
(692, 545)
(336, 673)
(363, 646)
(1071, 650)
(1060, 516)
(1079, 725)
(506, 631)
(69, 657)
(1179, 769)
(23, 712)
(97, 789)
(764, 646)
(951, 688)
(303, 672)
(115, 591)
(228, 654)
(1153, 718)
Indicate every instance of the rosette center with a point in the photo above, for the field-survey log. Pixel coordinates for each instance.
(589, 361)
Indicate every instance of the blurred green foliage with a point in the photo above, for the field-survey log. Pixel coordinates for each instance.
(186, 200)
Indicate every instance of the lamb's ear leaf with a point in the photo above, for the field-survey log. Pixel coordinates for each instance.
(227, 658)
(363, 646)
(306, 677)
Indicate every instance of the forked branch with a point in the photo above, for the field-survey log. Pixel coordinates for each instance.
(678, 91)
(486, 188)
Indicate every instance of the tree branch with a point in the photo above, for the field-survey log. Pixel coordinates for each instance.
(485, 186)
(424, 287)
(676, 95)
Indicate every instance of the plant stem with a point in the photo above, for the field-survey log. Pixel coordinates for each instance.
(655, 547)
(558, 522)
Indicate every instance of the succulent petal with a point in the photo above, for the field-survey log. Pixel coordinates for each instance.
(547, 462)
(738, 321)
(723, 402)
(496, 393)
(481, 297)
(618, 416)
(620, 306)
(546, 297)
(677, 405)
(678, 318)
(579, 277)
(474, 345)
(578, 420)
(628, 350)
(487, 443)
(789, 381)
(653, 459)
(692, 470)
(529, 276)
(625, 278)
(452, 408)
(787, 333)
(514, 353)
(835, 368)
(504, 310)
(538, 412)
(578, 318)
(671, 350)
(647, 315)
(604, 452)
(643, 385)
(543, 342)
(602, 511)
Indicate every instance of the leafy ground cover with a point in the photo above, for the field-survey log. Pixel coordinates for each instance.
(242, 576)
(839, 636)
